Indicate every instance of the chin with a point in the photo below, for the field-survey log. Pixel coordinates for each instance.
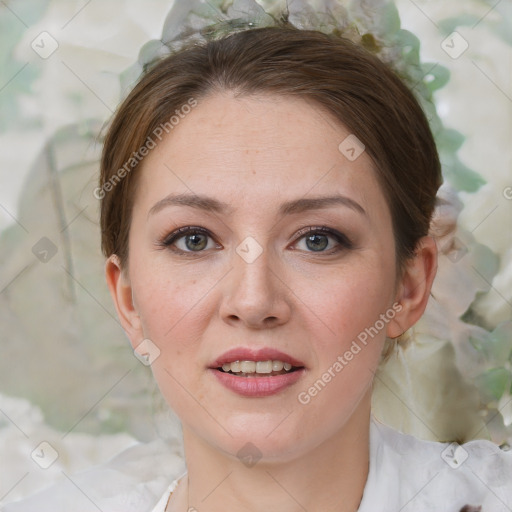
(267, 441)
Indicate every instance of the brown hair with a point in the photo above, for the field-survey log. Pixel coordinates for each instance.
(341, 77)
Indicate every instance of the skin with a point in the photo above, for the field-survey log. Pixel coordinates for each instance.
(255, 153)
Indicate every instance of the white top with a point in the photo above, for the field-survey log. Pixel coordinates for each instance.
(162, 503)
(405, 474)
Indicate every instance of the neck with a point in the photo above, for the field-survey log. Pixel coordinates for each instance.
(330, 477)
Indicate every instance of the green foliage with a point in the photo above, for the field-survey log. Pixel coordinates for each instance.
(495, 382)
(496, 347)
(16, 77)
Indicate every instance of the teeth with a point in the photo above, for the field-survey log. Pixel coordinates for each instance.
(247, 366)
(256, 366)
(263, 367)
(277, 366)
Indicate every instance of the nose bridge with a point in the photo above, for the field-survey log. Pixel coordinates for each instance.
(253, 272)
(255, 293)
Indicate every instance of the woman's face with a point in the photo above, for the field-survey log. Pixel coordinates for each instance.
(252, 176)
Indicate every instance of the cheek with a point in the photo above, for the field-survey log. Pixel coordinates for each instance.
(350, 302)
(173, 311)
(170, 302)
(344, 322)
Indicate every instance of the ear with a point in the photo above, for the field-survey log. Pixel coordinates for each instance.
(121, 291)
(413, 290)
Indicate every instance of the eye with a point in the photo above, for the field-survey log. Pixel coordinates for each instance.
(193, 239)
(317, 240)
(188, 239)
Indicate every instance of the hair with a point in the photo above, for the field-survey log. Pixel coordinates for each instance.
(339, 76)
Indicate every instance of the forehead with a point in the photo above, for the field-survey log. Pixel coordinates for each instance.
(249, 150)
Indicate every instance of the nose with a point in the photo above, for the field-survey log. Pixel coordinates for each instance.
(255, 293)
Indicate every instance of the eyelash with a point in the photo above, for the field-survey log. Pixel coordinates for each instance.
(176, 235)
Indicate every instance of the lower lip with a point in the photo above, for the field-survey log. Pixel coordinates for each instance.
(258, 386)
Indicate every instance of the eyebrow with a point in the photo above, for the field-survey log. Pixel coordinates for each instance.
(210, 204)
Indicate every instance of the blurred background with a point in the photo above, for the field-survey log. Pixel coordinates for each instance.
(68, 376)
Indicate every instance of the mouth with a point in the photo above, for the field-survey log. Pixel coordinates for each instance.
(253, 369)
(252, 363)
(257, 379)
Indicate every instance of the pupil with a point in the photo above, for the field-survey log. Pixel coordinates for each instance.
(197, 243)
(322, 245)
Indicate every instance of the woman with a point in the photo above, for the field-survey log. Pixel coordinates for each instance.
(283, 215)
(266, 201)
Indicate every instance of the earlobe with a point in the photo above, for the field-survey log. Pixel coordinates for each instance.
(122, 295)
(414, 288)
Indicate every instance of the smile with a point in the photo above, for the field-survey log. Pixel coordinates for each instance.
(257, 368)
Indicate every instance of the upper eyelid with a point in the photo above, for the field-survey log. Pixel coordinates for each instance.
(183, 231)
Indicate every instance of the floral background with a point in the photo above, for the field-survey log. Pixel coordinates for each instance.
(69, 377)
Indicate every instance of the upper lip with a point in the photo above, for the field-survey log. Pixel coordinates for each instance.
(252, 354)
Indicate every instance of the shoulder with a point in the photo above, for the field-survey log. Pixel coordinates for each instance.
(415, 474)
(134, 480)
